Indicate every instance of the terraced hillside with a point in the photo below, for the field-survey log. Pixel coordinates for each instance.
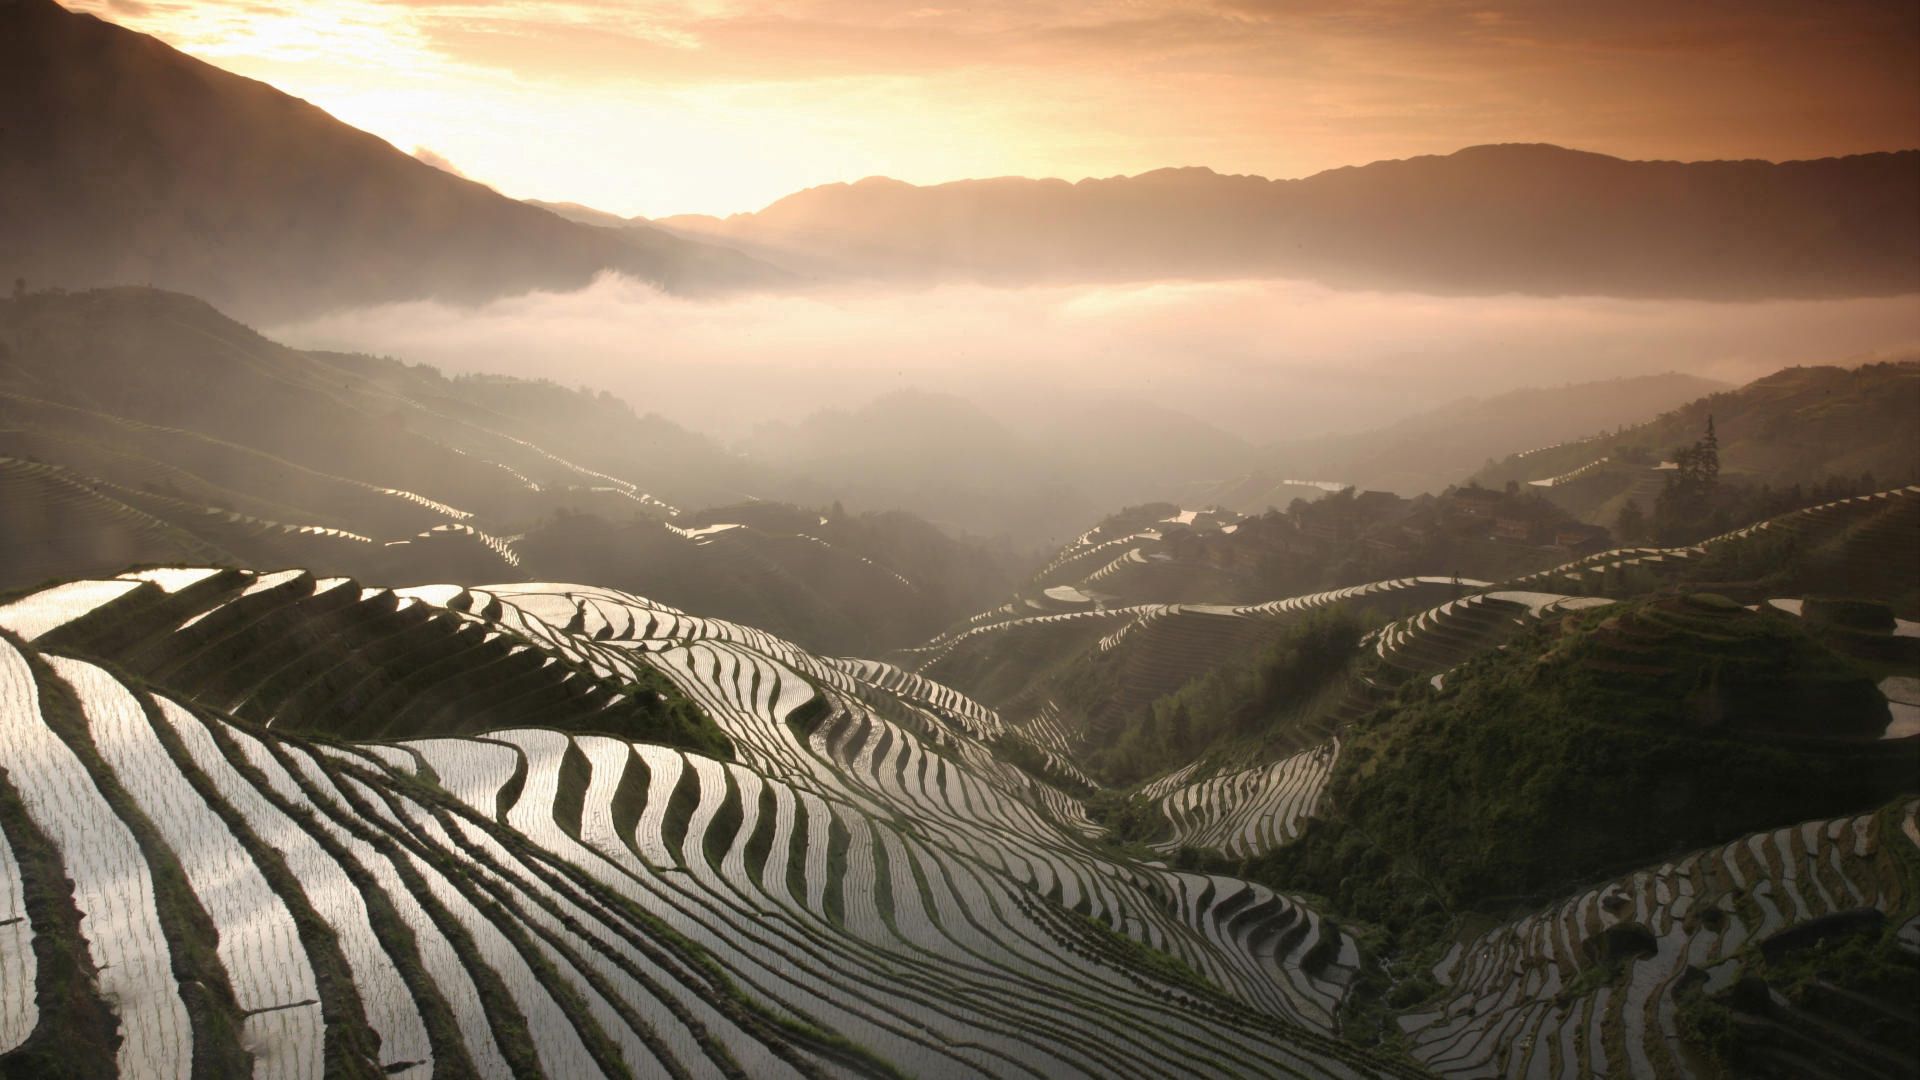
(196, 880)
(1799, 425)
(1860, 545)
(1439, 639)
(553, 829)
(1004, 658)
(1061, 679)
(1617, 979)
(139, 426)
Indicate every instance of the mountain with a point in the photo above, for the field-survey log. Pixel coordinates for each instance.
(126, 162)
(1033, 471)
(1643, 783)
(1428, 451)
(138, 426)
(1533, 219)
(587, 215)
(1800, 427)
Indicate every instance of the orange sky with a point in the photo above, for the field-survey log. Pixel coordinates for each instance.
(717, 106)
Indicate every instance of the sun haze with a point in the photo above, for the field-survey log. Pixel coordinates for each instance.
(723, 106)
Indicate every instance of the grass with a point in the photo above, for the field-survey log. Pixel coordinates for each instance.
(1570, 756)
(450, 1058)
(680, 807)
(1132, 953)
(192, 940)
(77, 1033)
(766, 823)
(352, 1048)
(570, 797)
(1022, 754)
(504, 1018)
(835, 899)
(783, 1033)
(720, 831)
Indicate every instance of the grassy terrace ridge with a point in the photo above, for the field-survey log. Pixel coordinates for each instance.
(335, 661)
(76, 1033)
(868, 877)
(191, 936)
(1611, 738)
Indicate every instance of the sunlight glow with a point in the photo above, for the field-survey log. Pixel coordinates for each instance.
(723, 106)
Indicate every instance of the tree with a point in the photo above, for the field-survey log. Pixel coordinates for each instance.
(1688, 496)
(1707, 457)
(1179, 728)
(1631, 525)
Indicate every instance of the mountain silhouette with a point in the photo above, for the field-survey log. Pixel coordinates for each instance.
(1533, 219)
(124, 161)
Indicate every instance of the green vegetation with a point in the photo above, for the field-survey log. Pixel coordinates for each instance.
(77, 1033)
(1022, 754)
(1856, 988)
(1681, 513)
(1796, 429)
(1238, 701)
(328, 662)
(192, 940)
(1170, 968)
(1129, 819)
(570, 792)
(1620, 736)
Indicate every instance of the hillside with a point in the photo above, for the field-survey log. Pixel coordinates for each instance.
(1488, 219)
(110, 173)
(1032, 471)
(549, 829)
(1609, 740)
(187, 881)
(1089, 661)
(1797, 428)
(138, 426)
(1427, 452)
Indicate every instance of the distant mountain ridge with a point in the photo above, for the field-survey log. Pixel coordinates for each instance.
(1431, 450)
(138, 426)
(1032, 472)
(1799, 426)
(126, 162)
(1532, 218)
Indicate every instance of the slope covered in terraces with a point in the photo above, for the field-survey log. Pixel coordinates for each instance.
(139, 426)
(194, 875)
(839, 867)
(1072, 674)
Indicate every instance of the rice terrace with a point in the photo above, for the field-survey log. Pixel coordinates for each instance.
(555, 540)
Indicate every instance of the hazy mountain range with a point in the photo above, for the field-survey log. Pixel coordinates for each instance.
(1533, 219)
(1434, 448)
(138, 426)
(127, 162)
(1041, 473)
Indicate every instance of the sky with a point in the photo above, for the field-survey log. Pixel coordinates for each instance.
(721, 106)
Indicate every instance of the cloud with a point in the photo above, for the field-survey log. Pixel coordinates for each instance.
(426, 156)
(1268, 360)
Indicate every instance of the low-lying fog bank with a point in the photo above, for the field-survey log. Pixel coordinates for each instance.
(1266, 360)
